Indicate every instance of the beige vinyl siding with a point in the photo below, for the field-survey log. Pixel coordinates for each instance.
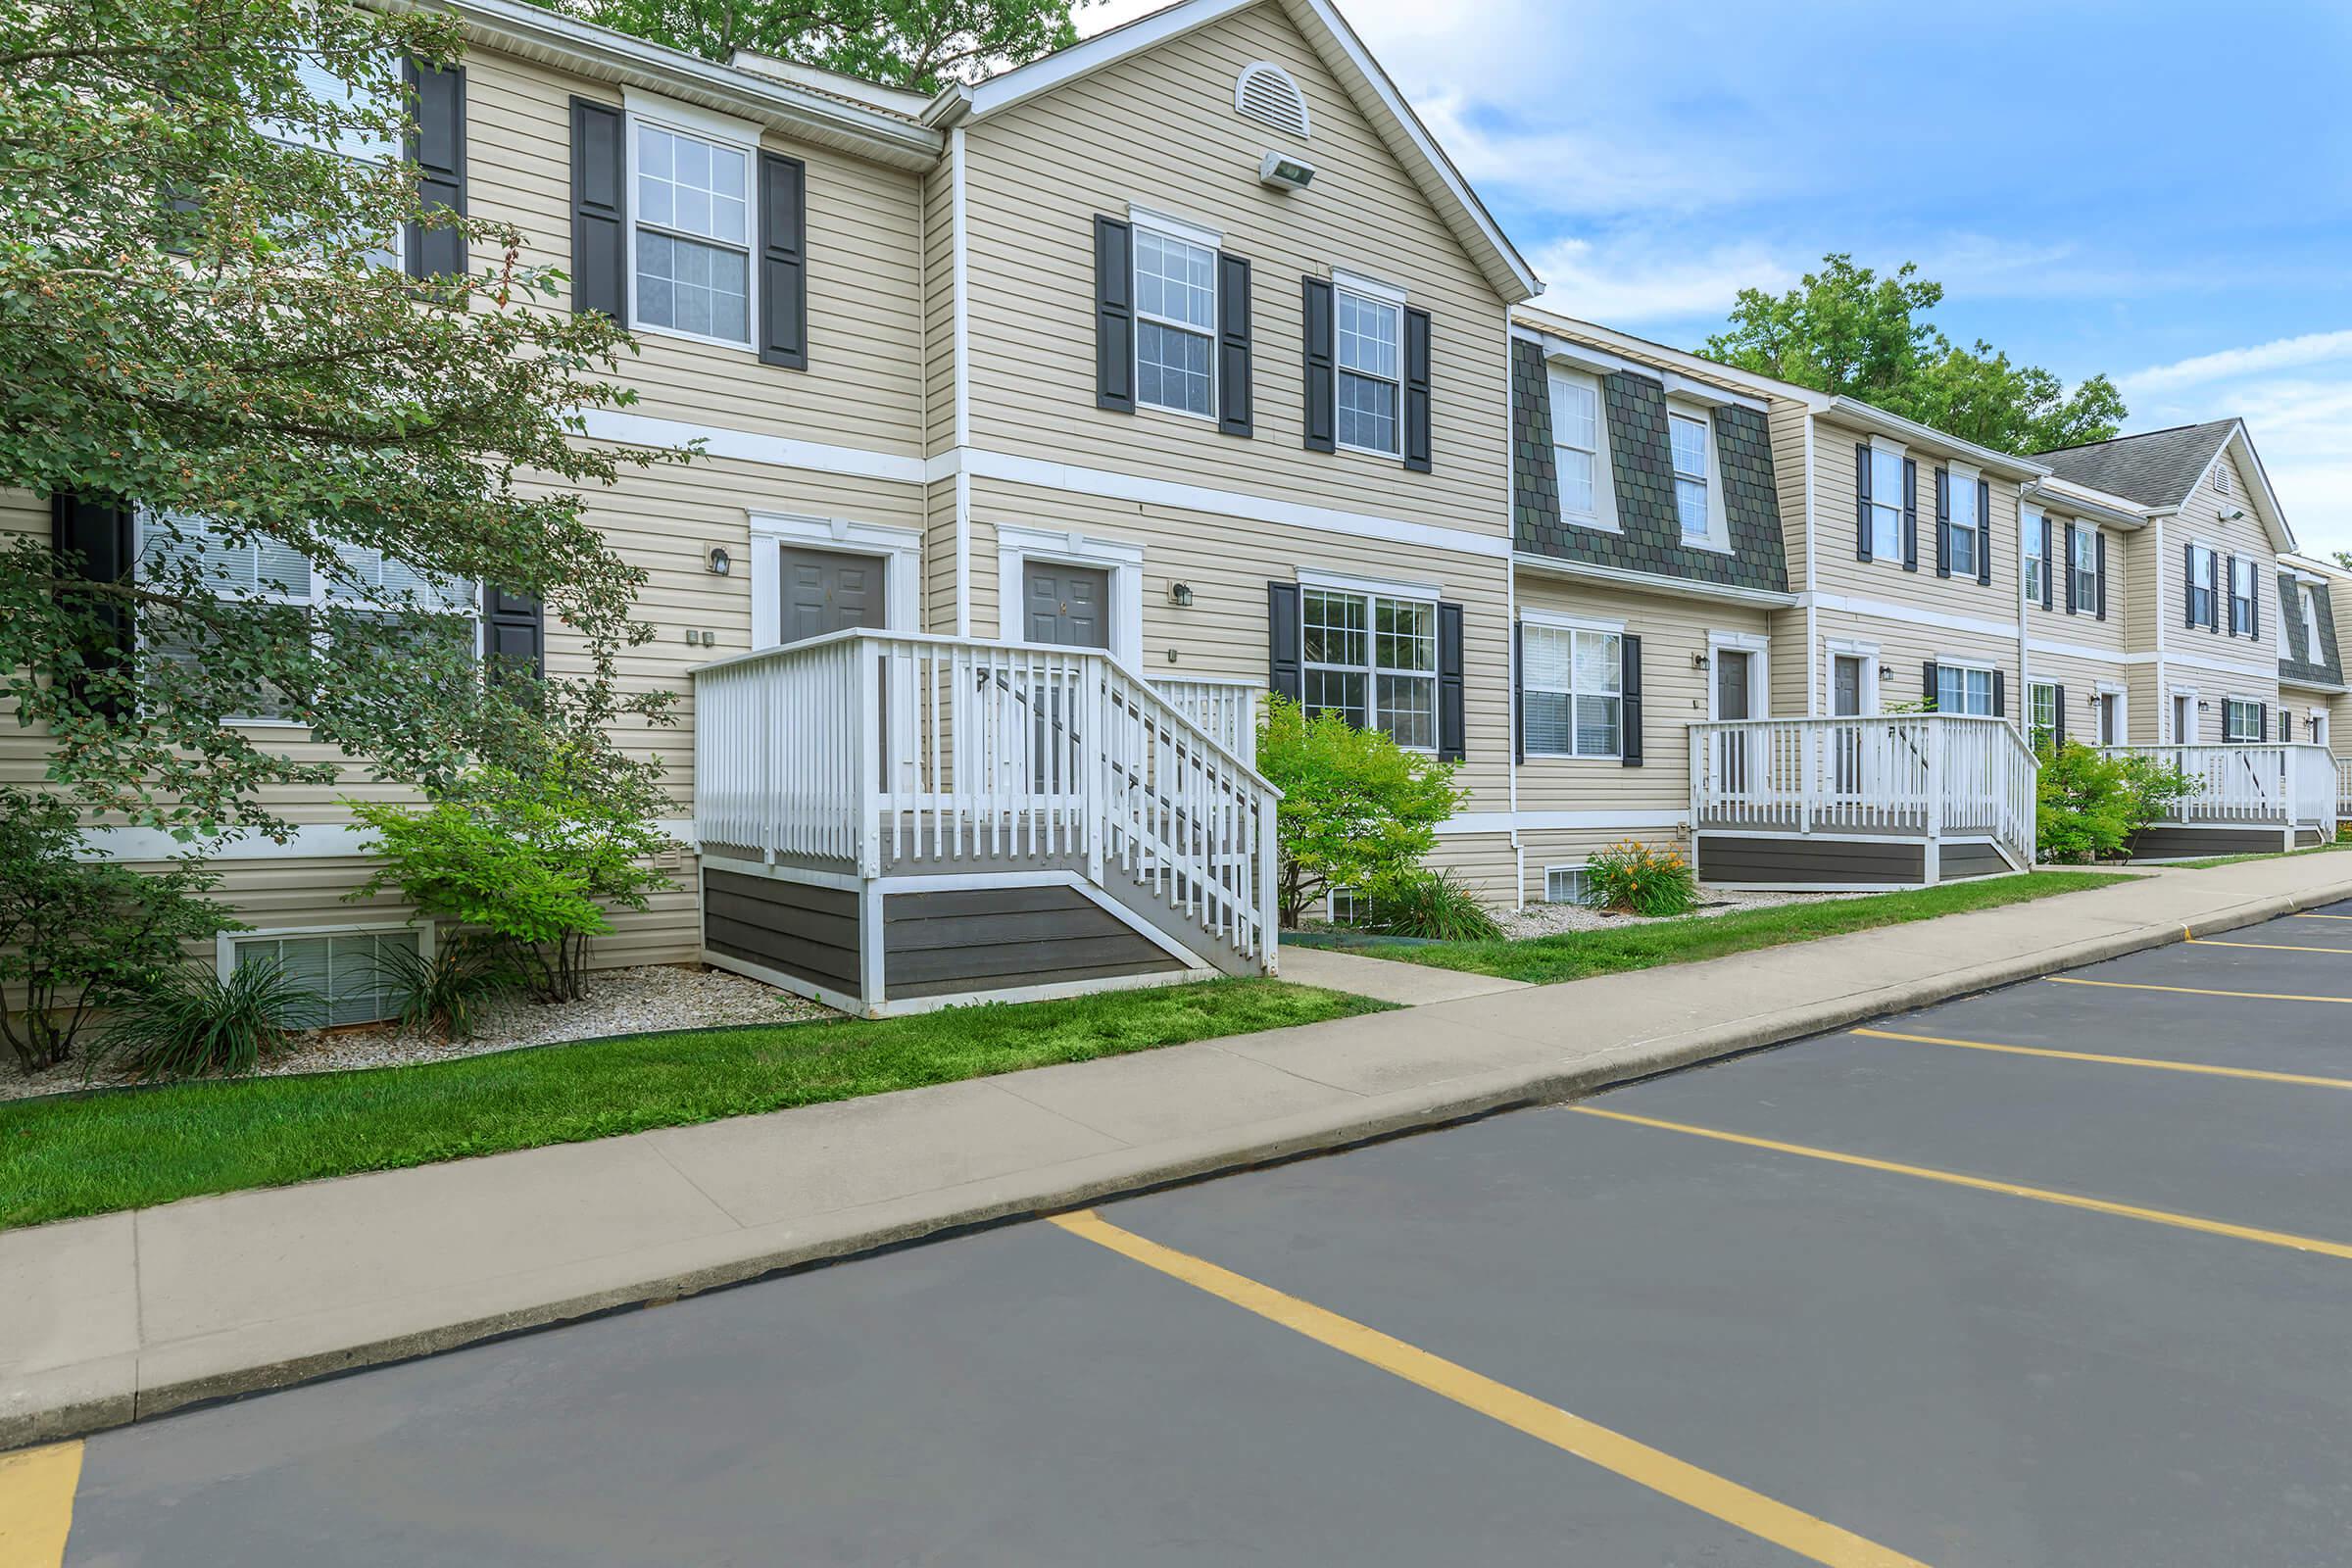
(1904, 645)
(1485, 861)
(1839, 571)
(2148, 705)
(2084, 629)
(1160, 129)
(864, 382)
(2251, 663)
(1789, 425)
(939, 557)
(1542, 849)
(2083, 679)
(1792, 680)
(939, 309)
(2146, 626)
(1675, 693)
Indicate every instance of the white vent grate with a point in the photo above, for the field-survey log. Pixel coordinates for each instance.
(1564, 883)
(1266, 93)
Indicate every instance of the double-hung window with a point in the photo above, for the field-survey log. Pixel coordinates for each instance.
(1372, 658)
(2200, 586)
(2313, 653)
(1688, 439)
(692, 235)
(2082, 573)
(1370, 344)
(1961, 493)
(1885, 505)
(2241, 723)
(1572, 701)
(370, 147)
(2241, 596)
(1175, 322)
(1576, 454)
(1963, 689)
(2036, 564)
(2042, 718)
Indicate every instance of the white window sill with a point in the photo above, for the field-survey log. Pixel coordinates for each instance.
(1574, 520)
(735, 344)
(1195, 416)
(1712, 546)
(1612, 757)
(1369, 452)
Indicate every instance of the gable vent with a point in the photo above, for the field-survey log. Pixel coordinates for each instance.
(1266, 93)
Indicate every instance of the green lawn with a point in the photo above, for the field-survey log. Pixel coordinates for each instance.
(1574, 955)
(129, 1149)
(2211, 860)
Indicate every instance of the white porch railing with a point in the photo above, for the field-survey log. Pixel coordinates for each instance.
(864, 750)
(1225, 707)
(2344, 788)
(2296, 785)
(1928, 775)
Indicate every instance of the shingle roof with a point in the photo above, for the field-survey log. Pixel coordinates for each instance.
(2155, 470)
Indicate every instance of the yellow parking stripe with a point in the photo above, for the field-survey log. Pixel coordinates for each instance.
(2266, 946)
(2117, 1061)
(1662, 1473)
(2190, 991)
(2097, 1206)
(2313, 914)
(36, 1505)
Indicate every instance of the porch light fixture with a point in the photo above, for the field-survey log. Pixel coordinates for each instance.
(1699, 661)
(1285, 173)
(718, 561)
(1180, 594)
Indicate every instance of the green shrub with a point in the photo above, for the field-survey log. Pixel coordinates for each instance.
(442, 992)
(192, 1022)
(532, 852)
(1438, 905)
(1357, 810)
(1634, 880)
(2090, 803)
(81, 936)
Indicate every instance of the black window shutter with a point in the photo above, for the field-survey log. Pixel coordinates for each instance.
(437, 147)
(2262, 719)
(2057, 717)
(2254, 601)
(1862, 501)
(1984, 532)
(2098, 545)
(2001, 694)
(2049, 567)
(1451, 731)
(1233, 345)
(1927, 683)
(514, 634)
(2188, 584)
(95, 532)
(1518, 693)
(1628, 687)
(2226, 603)
(1910, 515)
(1322, 390)
(783, 262)
(2070, 568)
(1416, 391)
(1115, 315)
(2213, 597)
(1283, 675)
(599, 210)
(1943, 523)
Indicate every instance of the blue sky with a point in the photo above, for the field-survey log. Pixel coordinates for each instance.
(2162, 192)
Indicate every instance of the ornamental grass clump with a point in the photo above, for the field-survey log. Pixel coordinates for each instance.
(1633, 878)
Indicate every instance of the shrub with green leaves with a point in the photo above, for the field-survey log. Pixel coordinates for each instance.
(1357, 810)
(1634, 880)
(2090, 805)
(442, 991)
(1438, 905)
(80, 935)
(192, 1022)
(534, 851)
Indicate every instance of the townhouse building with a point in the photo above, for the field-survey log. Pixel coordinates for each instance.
(1048, 423)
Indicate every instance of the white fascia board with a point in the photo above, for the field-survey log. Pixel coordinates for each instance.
(1548, 323)
(1601, 362)
(1065, 65)
(535, 32)
(2081, 501)
(1878, 420)
(1642, 582)
(2274, 516)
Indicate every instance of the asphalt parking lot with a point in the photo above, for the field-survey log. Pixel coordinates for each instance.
(2061, 1274)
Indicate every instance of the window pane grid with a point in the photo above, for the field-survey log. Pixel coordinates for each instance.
(1576, 444)
(1688, 439)
(1176, 319)
(1369, 338)
(1572, 701)
(693, 235)
(1374, 660)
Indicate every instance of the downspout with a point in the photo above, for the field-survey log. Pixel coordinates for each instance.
(1510, 567)
(961, 258)
(1813, 661)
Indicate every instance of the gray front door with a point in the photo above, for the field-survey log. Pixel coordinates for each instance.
(1066, 606)
(828, 591)
(1731, 703)
(1846, 688)
(1845, 701)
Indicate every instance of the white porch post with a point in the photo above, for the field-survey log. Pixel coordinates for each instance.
(1931, 868)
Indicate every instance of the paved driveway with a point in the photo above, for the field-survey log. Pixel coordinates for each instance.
(2056, 1275)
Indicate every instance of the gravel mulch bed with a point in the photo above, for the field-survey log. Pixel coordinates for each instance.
(613, 1002)
(1548, 919)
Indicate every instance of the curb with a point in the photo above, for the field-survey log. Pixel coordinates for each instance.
(95, 1397)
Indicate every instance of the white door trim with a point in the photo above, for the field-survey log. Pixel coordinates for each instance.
(1019, 544)
(900, 549)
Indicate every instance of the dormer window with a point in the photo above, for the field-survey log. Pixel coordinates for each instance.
(2313, 653)
(1577, 457)
(1688, 439)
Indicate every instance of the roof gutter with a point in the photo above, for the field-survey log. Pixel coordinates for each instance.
(2066, 499)
(1856, 411)
(1676, 587)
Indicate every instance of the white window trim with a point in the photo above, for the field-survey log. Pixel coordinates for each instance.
(2172, 698)
(1837, 648)
(1882, 445)
(2032, 723)
(1385, 587)
(2220, 613)
(1018, 545)
(2262, 719)
(2121, 695)
(1759, 670)
(1604, 515)
(1379, 293)
(667, 114)
(1955, 475)
(2308, 603)
(1719, 526)
(2087, 536)
(1378, 588)
(1969, 666)
(1553, 620)
(2029, 543)
(900, 549)
(1170, 227)
(2251, 566)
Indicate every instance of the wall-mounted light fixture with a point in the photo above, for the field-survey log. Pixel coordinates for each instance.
(1180, 594)
(1285, 173)
(1699, 661)
(718, 561)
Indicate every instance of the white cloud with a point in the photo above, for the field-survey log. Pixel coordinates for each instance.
(2295, 395)
(2287, 353)
(1643, 281)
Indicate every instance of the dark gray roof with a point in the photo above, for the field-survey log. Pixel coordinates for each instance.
(2155, 470)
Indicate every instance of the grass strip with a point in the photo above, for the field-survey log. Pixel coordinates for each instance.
(130, 1149)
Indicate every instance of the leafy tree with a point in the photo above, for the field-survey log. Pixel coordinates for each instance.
(1847, 331)
(1357, 810)
(82, 936)
(195, 314)
(916, 44)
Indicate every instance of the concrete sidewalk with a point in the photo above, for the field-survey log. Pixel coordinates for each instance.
(128, 1316)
